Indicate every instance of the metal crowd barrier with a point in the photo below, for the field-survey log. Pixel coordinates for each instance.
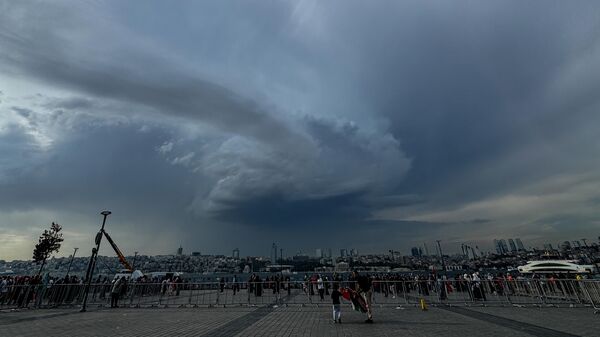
(520, 292)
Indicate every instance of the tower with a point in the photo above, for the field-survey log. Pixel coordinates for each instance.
(274, 253)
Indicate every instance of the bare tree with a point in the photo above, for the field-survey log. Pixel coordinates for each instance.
(48, 243)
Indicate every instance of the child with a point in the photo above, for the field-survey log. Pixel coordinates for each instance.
(335, 297)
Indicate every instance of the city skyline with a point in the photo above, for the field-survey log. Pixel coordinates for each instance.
(333, 125)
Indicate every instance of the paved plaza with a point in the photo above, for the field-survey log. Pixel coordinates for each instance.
(301, 321)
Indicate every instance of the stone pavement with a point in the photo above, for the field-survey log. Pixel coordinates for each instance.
(302, 321)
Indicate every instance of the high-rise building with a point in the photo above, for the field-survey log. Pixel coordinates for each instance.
(329, 253)
(498, 247)
(576, 244)
(504, 246)
(353, 252)
(180, 251)
(319, 253)
(274, 253)
(520, 245)
(416, 251)
(513, 246)
(236, 254)
(343, 252)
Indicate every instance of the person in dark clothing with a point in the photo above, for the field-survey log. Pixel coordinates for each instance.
(116, 292)
(363, 287)
(337, 307)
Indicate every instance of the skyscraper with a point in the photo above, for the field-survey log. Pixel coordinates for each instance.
(520, 245)
(343, 252)
(504, 246)
(513, 246)
(416, 251)
(180, 251)
(498, 247)
(236, 254)
(319, 253)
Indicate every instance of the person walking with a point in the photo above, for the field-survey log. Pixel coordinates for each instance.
(235, 284)
(363, 286)
(337, 306)
(321, 288)
(115, 293)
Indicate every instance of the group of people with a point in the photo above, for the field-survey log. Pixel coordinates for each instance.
(275, 283)
(361, 295)
(21, 291)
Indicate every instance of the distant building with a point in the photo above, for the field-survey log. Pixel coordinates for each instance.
(343, 252)
(548, 246)
(566, 245)
(520, 245)
(353, 252)
(576, 244)
(498, 247)
(504, 246)
(342, 266)
(180, 251)
(319, 253)
(300, 257)
(236, 254)
(513, 246)
(416, 251)
(273, 253)
(329, 253)
(196, 253)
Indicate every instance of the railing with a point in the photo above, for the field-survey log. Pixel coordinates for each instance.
(384, 293)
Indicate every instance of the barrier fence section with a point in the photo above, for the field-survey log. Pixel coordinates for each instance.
(384, 293)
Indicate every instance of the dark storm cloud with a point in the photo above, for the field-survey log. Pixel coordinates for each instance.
(401, 119)
(279, 210)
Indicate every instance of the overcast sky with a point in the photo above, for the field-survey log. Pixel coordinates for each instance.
(315, 124)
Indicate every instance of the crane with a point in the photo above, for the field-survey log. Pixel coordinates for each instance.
(118, 251)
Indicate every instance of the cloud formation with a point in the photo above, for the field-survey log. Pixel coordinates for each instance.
(217, 125)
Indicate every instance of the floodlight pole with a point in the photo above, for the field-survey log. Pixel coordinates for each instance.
(92, 264)
(71, 262)
(441, 256)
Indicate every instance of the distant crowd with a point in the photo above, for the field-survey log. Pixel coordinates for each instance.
(47, 290)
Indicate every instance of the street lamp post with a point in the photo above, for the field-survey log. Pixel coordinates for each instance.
(92, 264)
(71, 262)
(441, 256)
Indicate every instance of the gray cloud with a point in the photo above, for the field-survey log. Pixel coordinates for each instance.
(415, 120)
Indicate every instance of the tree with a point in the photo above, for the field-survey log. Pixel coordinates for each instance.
(48, 243)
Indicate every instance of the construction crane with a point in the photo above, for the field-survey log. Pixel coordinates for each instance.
(118, 251)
